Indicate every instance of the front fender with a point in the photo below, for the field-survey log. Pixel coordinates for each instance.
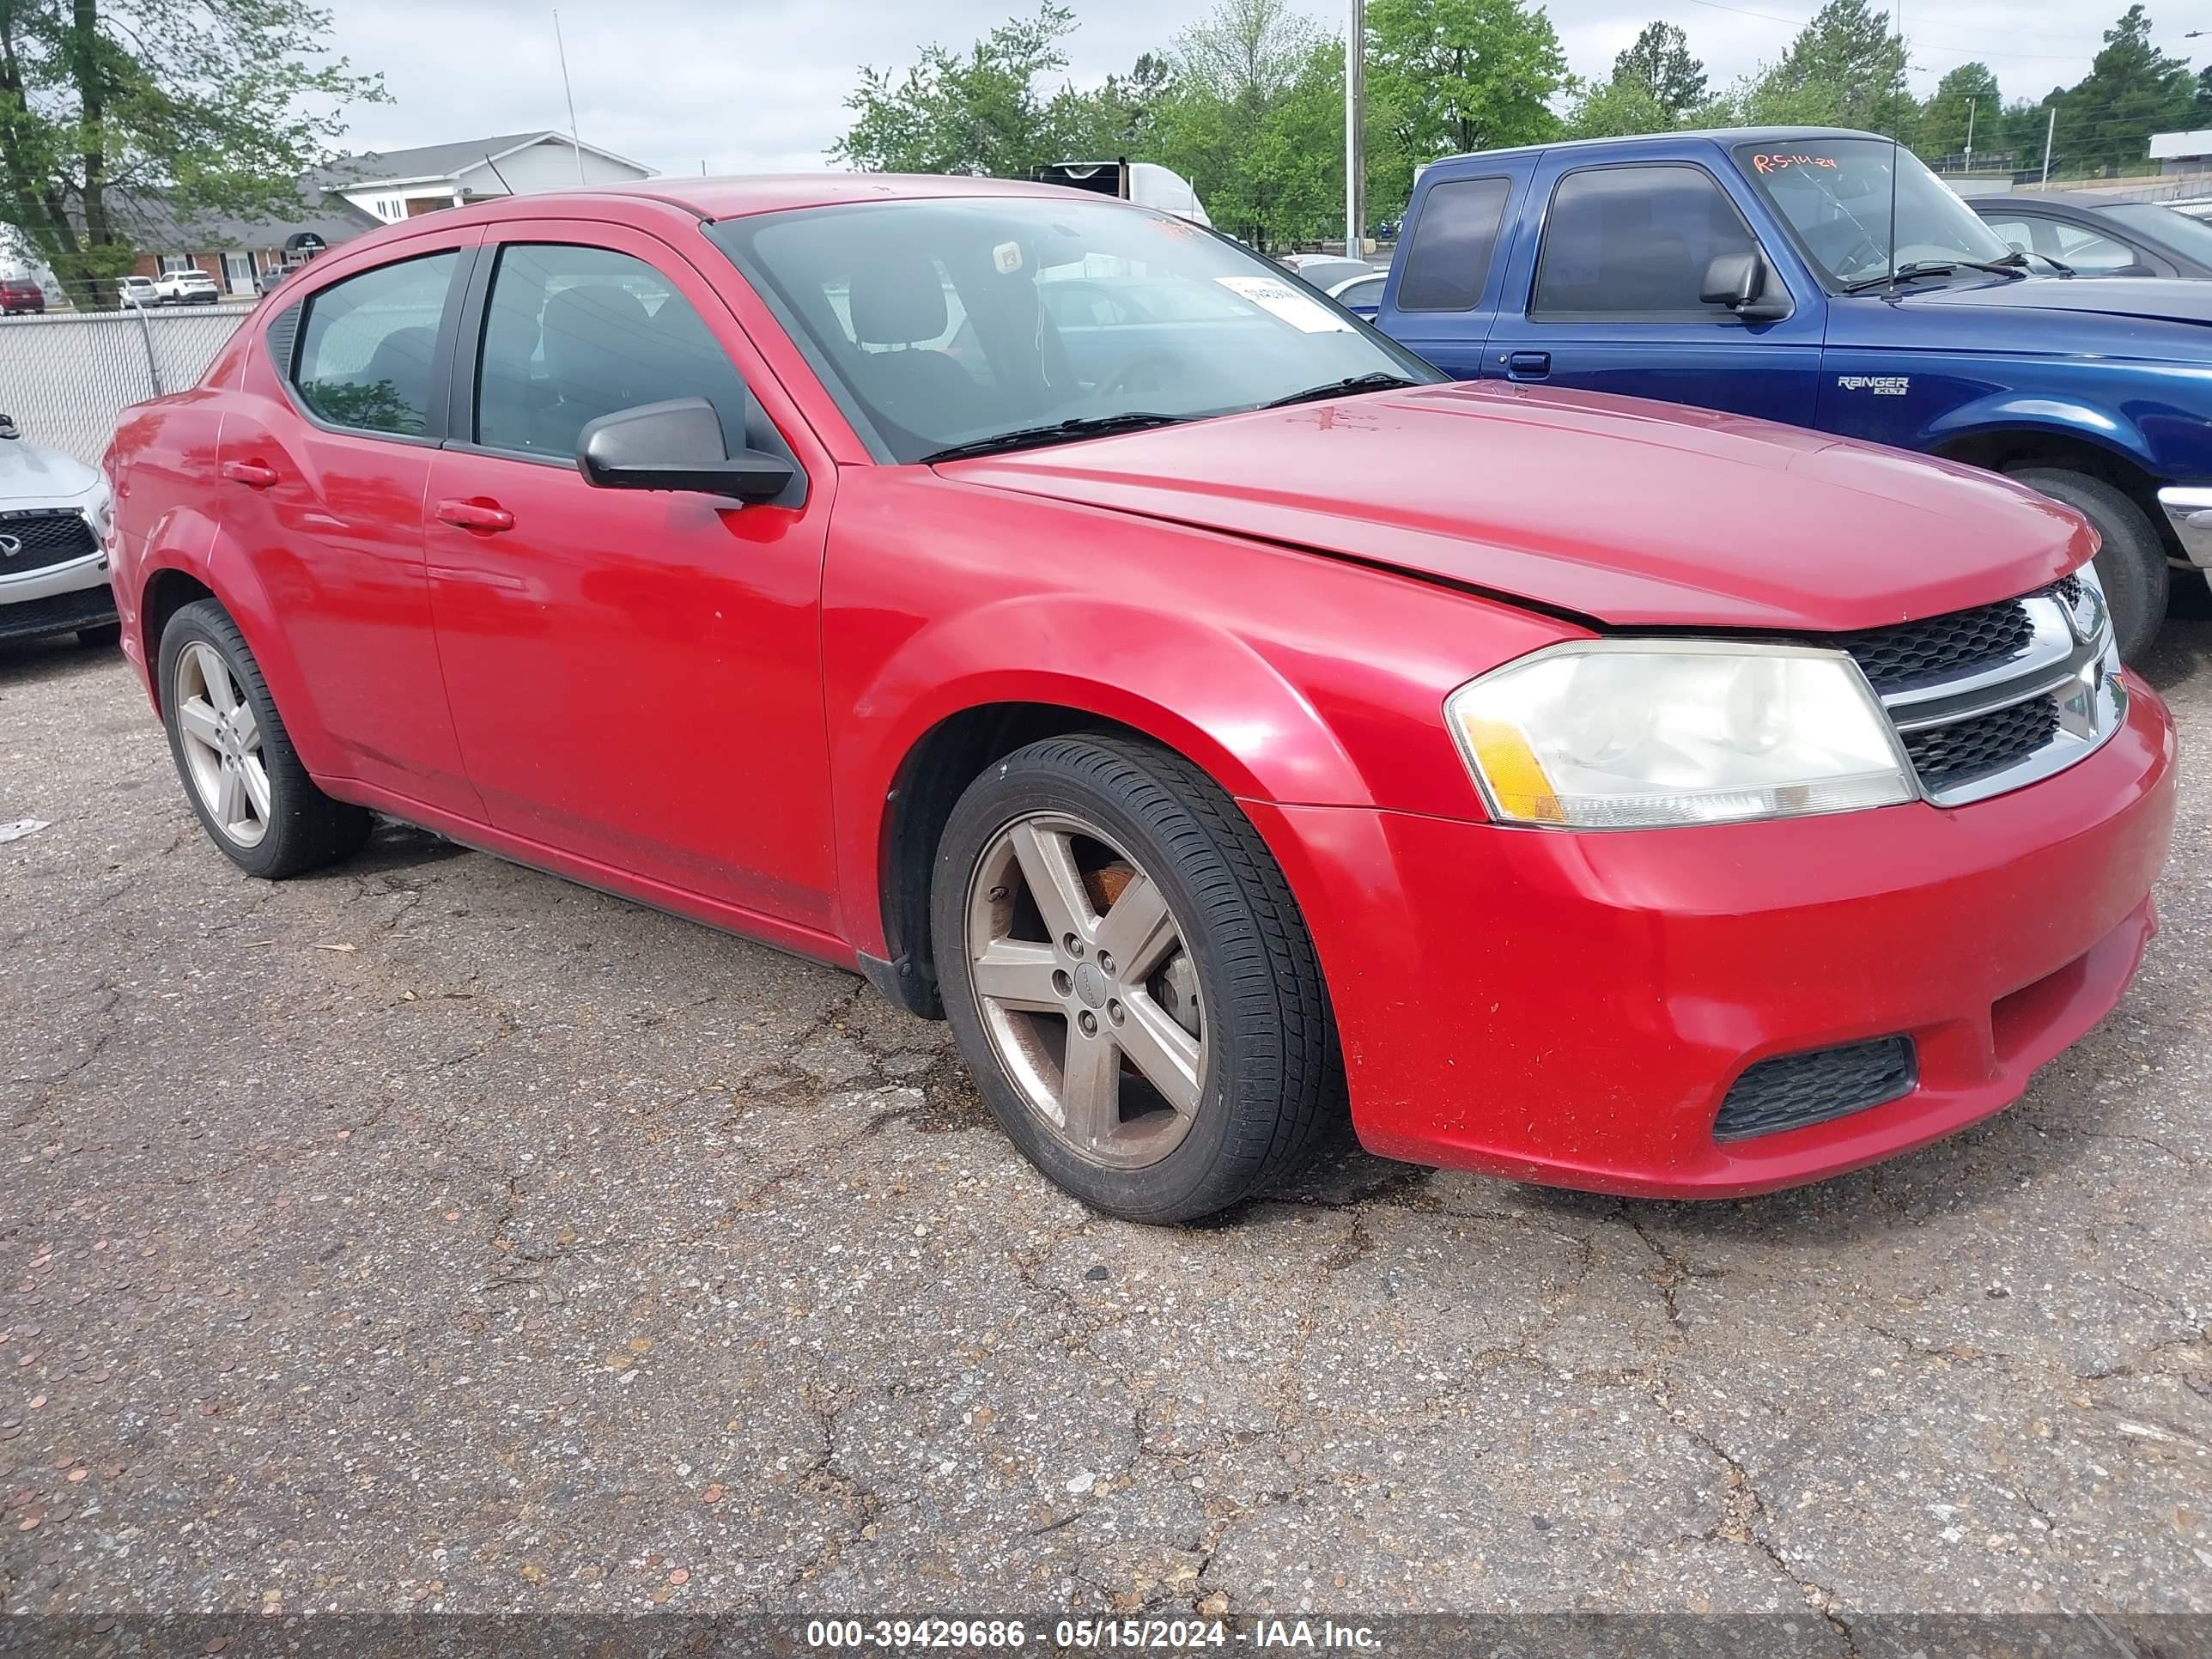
(2107, 427)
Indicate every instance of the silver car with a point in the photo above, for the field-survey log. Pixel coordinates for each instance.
(56, 515)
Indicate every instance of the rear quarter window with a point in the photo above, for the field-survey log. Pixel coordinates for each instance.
(1447, 261)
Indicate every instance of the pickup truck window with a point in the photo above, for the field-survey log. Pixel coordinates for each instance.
(1447, 261)
(1834, 194)
(941, 325)
(1632, 243)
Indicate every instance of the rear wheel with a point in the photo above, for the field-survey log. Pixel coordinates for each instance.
(1130, 980)
(253, 797)
(2132, 562)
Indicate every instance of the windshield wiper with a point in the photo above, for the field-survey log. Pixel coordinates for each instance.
(1378, 380)
(2013, 264)
(1057, 432)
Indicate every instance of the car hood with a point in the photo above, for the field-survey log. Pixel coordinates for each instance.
(2174, 300)
(30, 477)
(1607, 508)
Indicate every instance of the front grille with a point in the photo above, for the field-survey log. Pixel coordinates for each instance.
(57, 613)
(1906, 654)
(1792, 1090)
(1948, 756)
(43, 539)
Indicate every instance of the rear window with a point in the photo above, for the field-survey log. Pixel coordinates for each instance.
(366, 345)
(1448, 262)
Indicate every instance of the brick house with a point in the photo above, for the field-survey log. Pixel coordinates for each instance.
(357, 193)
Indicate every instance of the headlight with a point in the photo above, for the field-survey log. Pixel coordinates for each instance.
(100, 513)
(1623, 734)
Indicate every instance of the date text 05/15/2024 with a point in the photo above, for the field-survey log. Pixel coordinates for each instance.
(1071, 1635)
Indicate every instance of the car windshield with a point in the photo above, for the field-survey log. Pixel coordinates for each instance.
(2164, 226)
(943, 325)
(1836, 195)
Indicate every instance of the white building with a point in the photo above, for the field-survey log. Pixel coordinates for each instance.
(398, 184)
(2182, 152)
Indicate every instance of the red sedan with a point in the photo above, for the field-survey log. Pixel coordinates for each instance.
(1222, 723)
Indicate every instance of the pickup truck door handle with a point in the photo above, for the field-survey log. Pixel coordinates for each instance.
(253, 474)
(474, 515)
(1527, 365)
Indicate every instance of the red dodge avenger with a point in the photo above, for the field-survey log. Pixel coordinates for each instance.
(1044, 608)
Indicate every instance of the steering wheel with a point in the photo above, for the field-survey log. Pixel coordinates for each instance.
(1142, 371)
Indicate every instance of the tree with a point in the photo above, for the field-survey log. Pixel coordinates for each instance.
(2132, 90)
(1254, 117)
(1660, 63)
(1615, 108)
(977, 113)
(114, 112)
(1965, 99)
(1446, 76)
(1846, 68)
(2200, 105)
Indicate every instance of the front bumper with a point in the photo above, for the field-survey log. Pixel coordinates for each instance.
(2188, 508)
(1572, 1009)
(57, 600)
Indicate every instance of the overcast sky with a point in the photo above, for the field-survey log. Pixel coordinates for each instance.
(759, 84)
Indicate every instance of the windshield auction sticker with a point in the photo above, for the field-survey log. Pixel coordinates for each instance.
(1280, 299)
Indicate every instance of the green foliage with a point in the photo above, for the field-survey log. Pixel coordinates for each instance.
(1845, 69)
(1659, 64)
(200, 105)
(981, 113)
(1969, 91)
(2132, 90)
(1616, 108)
(1446, 76)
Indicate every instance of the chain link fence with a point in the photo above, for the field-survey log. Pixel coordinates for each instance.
(66, 378)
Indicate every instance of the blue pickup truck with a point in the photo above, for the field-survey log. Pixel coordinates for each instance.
(1826, 278)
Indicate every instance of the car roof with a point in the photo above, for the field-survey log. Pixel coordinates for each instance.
(1712, 134)
(775, 192)
(2061, 199)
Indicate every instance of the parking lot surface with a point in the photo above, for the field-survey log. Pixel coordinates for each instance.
(433, 1234)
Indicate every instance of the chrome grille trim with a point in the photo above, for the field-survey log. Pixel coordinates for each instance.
(2069, 657)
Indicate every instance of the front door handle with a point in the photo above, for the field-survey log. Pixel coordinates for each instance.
(253, 474)
(474, 515)
(1527, 365)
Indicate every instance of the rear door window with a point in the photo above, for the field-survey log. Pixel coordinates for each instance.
(1447, 261)
(366, 346)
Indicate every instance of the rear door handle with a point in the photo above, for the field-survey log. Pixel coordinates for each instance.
(474, 515)
(253, 474)
(1527, 365)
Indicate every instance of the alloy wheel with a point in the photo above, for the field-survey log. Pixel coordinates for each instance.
(1087, 989)
(222, 744)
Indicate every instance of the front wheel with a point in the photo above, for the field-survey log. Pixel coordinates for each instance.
(2132, 562)
(252, 796)
(1130, 980)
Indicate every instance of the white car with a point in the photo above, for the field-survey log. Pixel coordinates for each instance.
(137, 291)
(186, 287)
(56, 518)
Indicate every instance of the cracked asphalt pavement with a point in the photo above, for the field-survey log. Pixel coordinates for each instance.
(431, 1234)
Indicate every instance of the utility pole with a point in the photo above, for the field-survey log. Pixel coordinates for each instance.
(1970, 135)
(2049, 132)
(574, 142)
(1355, 123)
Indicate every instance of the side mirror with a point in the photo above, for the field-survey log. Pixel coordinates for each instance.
(1739, 282)
(677, 445)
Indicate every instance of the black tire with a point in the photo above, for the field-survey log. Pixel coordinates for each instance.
(2131, 564)
(306, 829)
(100, 636)
(1274, 1085)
